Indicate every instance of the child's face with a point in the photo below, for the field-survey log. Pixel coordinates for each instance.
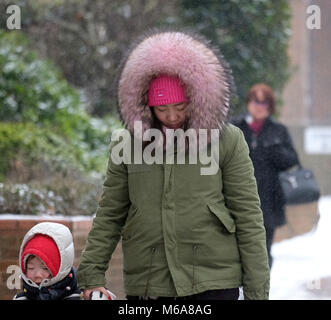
(37, 271)
(172, 115)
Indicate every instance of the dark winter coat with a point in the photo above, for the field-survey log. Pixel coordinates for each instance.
(66, 289)
(182, 232)
(271, 151)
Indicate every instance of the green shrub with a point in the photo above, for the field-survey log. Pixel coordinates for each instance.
(42, 114)
(56, 196)
(26, 149)
(33, 90)
(252, 35)
(50, 171)
(53, 154)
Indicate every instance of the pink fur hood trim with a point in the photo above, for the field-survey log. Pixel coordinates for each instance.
(205, 74)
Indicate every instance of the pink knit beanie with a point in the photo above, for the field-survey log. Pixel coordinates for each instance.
(165, 89)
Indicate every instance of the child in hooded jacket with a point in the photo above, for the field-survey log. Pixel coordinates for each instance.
(46, 263)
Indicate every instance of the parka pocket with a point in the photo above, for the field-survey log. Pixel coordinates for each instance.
(223, 216)
(144, 180)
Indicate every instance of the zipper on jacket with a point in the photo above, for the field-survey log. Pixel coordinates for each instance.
(195, 249)
(150, 271)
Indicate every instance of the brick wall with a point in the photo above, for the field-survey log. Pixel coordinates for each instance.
(12, 231)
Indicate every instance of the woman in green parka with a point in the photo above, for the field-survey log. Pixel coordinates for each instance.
(186, 234)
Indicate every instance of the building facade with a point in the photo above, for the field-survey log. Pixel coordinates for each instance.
(306, 106)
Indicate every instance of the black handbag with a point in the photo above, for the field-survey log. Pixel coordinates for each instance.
(299, 186)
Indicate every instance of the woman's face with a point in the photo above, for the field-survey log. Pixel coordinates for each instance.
(37, 271)
(173, 115)
(258, 108)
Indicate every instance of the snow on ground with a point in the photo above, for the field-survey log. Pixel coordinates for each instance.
(302, 265)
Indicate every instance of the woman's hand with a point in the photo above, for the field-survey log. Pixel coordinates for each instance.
(88, 292)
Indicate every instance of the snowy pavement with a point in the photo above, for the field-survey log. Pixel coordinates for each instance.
(302, 265)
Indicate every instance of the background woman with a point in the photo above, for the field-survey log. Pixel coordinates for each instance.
(271, 151)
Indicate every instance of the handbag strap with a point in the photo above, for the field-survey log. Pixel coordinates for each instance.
(297, 165)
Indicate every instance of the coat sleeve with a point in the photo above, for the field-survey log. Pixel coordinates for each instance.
(282, 153)
(106, 228)
(242, 200)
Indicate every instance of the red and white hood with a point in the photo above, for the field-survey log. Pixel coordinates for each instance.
(63, 239)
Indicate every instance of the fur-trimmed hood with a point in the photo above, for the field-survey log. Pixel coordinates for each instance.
(189, 56)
